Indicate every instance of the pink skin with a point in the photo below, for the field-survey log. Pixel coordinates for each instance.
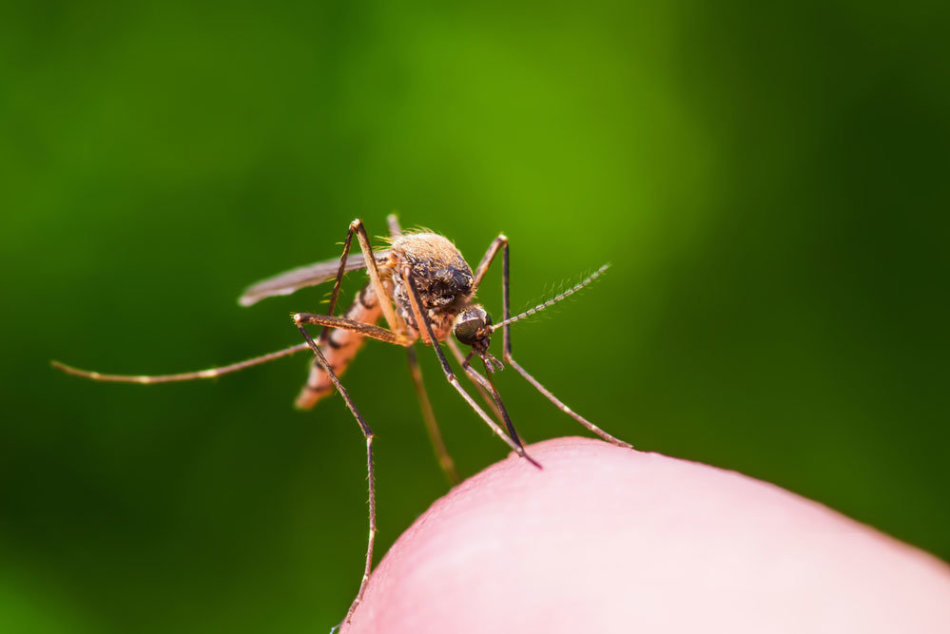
(610, 540)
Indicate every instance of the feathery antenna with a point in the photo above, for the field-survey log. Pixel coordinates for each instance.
(531, 311)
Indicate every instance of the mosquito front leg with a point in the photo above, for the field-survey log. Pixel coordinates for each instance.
(506, 338)
(498, 244)
(447, 370)
(564, 408)
(482, 268)
(488, 385)
(368, 435)
(457, 353)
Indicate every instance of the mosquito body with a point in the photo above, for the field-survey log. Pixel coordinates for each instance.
(445, 290)
(423, 289)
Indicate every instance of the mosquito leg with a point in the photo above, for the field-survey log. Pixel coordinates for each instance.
(457, 353)
(210, 373)
(449, 375)
(498, 244)
(385, 298)
(368, 435)
(367, 330)
(506, 348)
(428, 415)
(394, 229)
(488, 385)
(564, 408)
(482, 268)
(325, 333)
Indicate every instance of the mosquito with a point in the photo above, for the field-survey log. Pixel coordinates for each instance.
(423, 289)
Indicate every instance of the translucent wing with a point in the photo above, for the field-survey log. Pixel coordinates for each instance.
(310, 275)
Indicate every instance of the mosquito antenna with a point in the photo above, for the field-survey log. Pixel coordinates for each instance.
(210, 373)
(531, 311)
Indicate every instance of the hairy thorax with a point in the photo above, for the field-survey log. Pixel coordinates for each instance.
(443, 280)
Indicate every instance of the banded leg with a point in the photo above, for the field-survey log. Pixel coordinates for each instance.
(501, 243)
(428, 414)
(368, 435)
(447, 370)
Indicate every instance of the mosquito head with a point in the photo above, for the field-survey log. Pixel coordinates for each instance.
(473, 327)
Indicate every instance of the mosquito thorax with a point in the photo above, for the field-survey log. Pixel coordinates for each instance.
(442, 278)
(471, 327)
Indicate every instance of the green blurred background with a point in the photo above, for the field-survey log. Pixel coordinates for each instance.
(770, 184)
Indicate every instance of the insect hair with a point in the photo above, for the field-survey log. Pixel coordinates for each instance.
(551, 289)
(408, 231)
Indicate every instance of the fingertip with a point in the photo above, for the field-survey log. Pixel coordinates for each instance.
(605, 537)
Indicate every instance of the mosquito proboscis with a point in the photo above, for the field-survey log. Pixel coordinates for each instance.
(423, 289)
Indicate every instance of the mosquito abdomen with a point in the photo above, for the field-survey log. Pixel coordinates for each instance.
(340, 348)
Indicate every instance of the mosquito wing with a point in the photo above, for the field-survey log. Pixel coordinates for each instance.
(310, 275)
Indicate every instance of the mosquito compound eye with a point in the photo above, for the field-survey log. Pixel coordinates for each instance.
(470, 326)
(468, 331)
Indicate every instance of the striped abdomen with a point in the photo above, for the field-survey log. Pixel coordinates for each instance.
(340, 348)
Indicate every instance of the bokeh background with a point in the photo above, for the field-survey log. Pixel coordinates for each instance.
(770, 184)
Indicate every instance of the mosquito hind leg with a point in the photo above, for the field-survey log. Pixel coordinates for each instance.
(368, 435)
